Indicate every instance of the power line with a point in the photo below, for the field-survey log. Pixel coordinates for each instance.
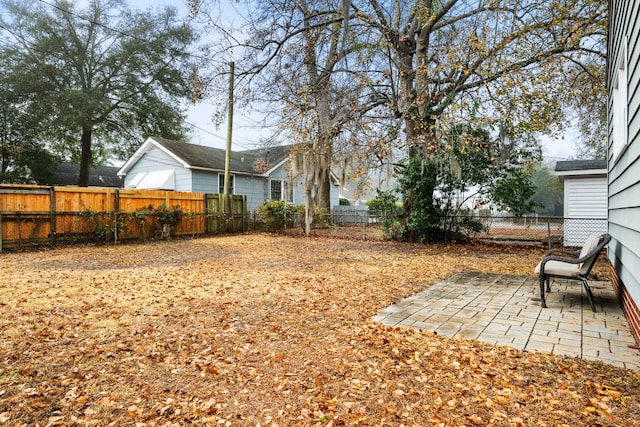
(217, 136)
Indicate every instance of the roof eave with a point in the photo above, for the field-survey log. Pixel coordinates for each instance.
(583, 172)
(277, 165)
(233, 172)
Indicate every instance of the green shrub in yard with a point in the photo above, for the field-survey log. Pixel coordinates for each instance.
(168, 219)
(385, 204)
(276, 215)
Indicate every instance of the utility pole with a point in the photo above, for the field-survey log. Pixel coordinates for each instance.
(226, 203)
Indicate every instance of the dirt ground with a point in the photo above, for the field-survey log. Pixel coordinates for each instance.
(268, 330)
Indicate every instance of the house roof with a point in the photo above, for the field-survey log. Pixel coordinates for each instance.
(66, 173)
(574, 165)
(583, 168)
(252, 162)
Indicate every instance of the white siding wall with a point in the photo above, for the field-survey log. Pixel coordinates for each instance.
(334, 196)
(624, 155)
(158, 160)
(585, 197)
(584, 200)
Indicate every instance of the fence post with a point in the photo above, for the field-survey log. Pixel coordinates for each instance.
(116, 212)
(0, 233)
(205, 213)
(52, 214)
(364, 228)
(549, 232)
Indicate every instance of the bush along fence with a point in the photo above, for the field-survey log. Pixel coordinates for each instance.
(36, 215)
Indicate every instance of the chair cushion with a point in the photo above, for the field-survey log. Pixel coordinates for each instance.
(589, 245)
(559, 268)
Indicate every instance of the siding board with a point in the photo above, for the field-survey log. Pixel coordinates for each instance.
(620, 256)
(621, 178)
(629, 198)
(624, 172)
(586, 198)
(157, 160)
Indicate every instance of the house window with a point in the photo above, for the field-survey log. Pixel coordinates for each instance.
(221, 184)
(620, 103)
(276, 189)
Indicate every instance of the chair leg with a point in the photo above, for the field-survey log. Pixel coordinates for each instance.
(548, 284)
(589, 293)
(543, 301)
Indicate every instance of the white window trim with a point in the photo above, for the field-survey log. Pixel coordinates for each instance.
(233, 183)
(282, 189)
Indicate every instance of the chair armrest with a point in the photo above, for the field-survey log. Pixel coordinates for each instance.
(562, 251)
(595, 251)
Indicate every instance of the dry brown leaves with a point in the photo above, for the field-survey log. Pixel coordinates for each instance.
(265, 330)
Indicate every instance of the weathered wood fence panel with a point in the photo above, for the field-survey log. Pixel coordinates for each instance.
(219, 221)
(32, 214)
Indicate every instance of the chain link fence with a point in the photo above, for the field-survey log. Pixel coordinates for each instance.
(544, 230)
(534, 230)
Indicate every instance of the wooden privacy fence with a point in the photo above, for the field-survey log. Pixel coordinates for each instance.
(31, 214)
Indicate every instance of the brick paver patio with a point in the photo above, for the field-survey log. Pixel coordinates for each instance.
(504, 309)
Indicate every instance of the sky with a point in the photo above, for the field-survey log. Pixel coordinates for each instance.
(247, 132)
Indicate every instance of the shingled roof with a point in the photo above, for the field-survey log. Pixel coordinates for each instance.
(579, 165)
(66, 173)
(250, 162)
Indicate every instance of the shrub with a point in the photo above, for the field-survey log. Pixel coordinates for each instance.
(385, 205)
(276, 215)
(168, 218)
(344, 202)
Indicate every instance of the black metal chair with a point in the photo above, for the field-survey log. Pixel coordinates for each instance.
(576, 267)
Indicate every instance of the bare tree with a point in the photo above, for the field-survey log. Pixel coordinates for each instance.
(502, 63)
(294, 62)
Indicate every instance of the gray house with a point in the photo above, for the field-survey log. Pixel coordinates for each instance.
(623, 82)
(585, 198)
(260, 174)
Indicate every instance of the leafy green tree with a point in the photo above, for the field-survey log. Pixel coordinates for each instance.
(97, 79)
(475, 165)
(23, 159)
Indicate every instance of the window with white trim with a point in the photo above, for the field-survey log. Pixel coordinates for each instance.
(221, 184)
(276, 190)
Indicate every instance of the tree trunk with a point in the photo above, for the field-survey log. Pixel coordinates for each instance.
(323, 196)
(85, 159)
(423, 215)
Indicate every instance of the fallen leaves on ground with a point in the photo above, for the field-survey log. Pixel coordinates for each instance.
(265, 330)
